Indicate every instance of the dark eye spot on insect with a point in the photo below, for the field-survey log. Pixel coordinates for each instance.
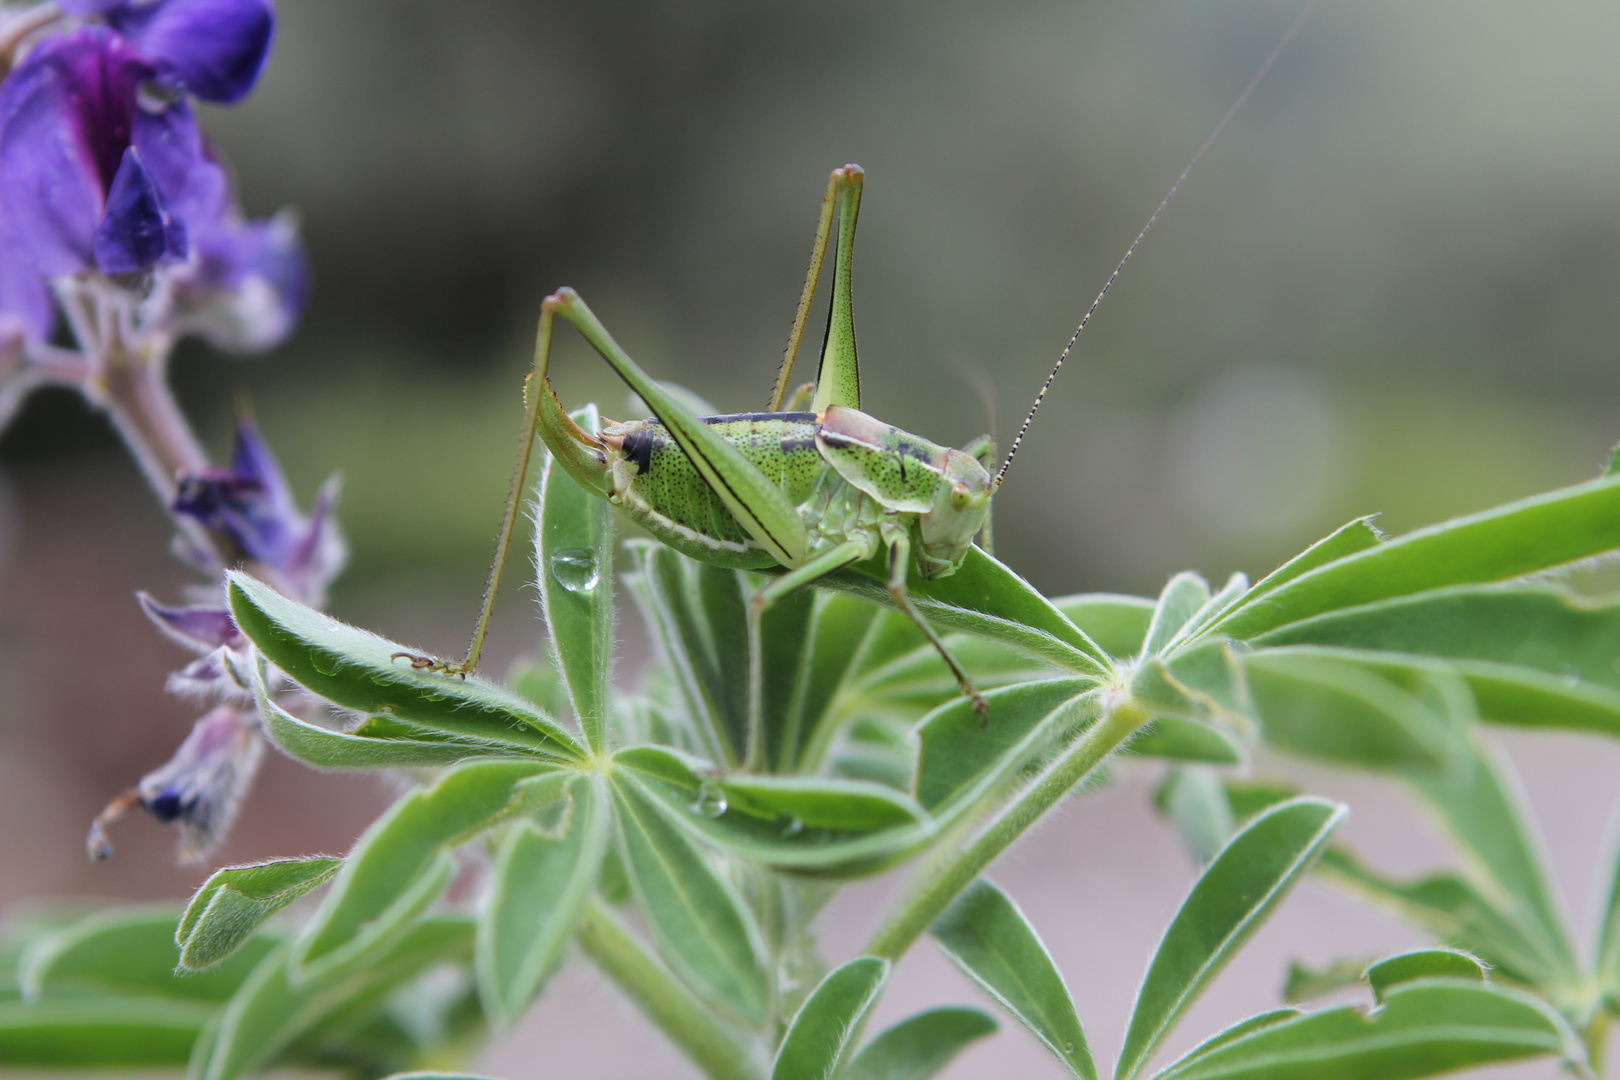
(959, 496)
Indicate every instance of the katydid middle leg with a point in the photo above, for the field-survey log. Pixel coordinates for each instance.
(899, 544)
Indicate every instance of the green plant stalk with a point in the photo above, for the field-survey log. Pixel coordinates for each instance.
(664, 1001)
(943, 882)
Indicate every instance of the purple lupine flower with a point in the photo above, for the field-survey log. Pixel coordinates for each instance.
(250, 504)
(200, 788)
(101, 163)
(209, 631)
(214, 48)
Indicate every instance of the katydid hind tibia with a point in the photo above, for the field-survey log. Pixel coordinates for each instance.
(808, 487)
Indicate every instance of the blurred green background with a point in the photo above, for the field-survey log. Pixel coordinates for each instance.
(1393, 286)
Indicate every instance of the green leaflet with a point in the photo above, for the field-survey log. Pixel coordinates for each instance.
(1195, 801)
(1181, 599)
(1332, 707)
(984, 597)
(1118, 624)
(378, 743)
(127, 952)
(1305, 983)
(574, 554)
(1230, 900)
(702, 927)
(1546, 629)
(962, 757)
(1354, 536)
(985, 935)
(1423, 1028)
(540, 885)
(227, 910)
(1534, 534)
(108, 1033)
(919, 1046)
(816, 825)
(698, 615)
(403, 861)
(1453, 910)
(829, 1020)
(1421, 964)
(1178, 739)
(269, 1012)
(356, 669)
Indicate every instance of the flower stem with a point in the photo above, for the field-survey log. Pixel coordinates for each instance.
(665, 1002)
(946, 880)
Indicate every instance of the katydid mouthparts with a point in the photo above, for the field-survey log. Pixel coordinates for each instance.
(811, 485)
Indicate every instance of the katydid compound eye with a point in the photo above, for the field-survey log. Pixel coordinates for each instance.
(960, 496)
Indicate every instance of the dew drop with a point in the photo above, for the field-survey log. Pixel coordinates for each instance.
(325, 663)
(711, 801)
(788, 825)
(574, 569)
(1570, 676)
(1068, 1048)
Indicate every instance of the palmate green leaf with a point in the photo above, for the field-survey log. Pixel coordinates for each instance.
(919, 1046)
(128, 952)
(829, 1020)
(1176, 739)
(817, 825)
(698, 616)
(1507, 542)
(1424, 1028)
(574, 554)
(1453, 910)
(1421, 964)
(269, 1013)
(403, 862)
(225, 914)
(100, 1033)
(356, 669)
(1117, 623)
(1546, 629)
(962, 756)
(985, 935)
(539, 888)
(1204, 681)
(1333, 708)
(1231, 899)
(702, 927)
(984, 597)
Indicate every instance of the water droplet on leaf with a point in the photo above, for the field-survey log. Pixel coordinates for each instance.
(711, 801)
(325, 663)
(788, 825)
(574, 569)
(1570, 675)
(1068, 1048)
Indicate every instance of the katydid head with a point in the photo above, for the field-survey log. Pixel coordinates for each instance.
(961, 505)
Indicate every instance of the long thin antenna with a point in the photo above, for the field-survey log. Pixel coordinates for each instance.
(1213, 135)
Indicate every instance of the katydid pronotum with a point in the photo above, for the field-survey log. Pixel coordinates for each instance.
(811, 485)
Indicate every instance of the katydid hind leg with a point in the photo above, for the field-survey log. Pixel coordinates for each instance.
(812, 278)
(758, 504)
(838, 379)
(899, 563)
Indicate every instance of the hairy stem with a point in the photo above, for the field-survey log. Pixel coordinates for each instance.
(943, 882)
(664, 1000)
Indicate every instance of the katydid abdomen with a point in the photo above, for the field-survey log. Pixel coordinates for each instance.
(847, 475)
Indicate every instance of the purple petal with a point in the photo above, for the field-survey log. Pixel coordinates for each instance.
(202, 786)
(239, 510)
(174, 151)
(247, 285)
(320, 552)
(137, 229)
(200, 627)
(216, 47)
(89, 7)
(26, 310)
(253, 462)
(65, 118)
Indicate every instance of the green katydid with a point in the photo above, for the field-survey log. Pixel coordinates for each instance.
(810, 488)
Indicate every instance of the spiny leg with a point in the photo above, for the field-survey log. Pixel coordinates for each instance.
(899, 561)
(819, 566)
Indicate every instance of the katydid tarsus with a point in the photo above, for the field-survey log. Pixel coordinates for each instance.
(810, 486)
